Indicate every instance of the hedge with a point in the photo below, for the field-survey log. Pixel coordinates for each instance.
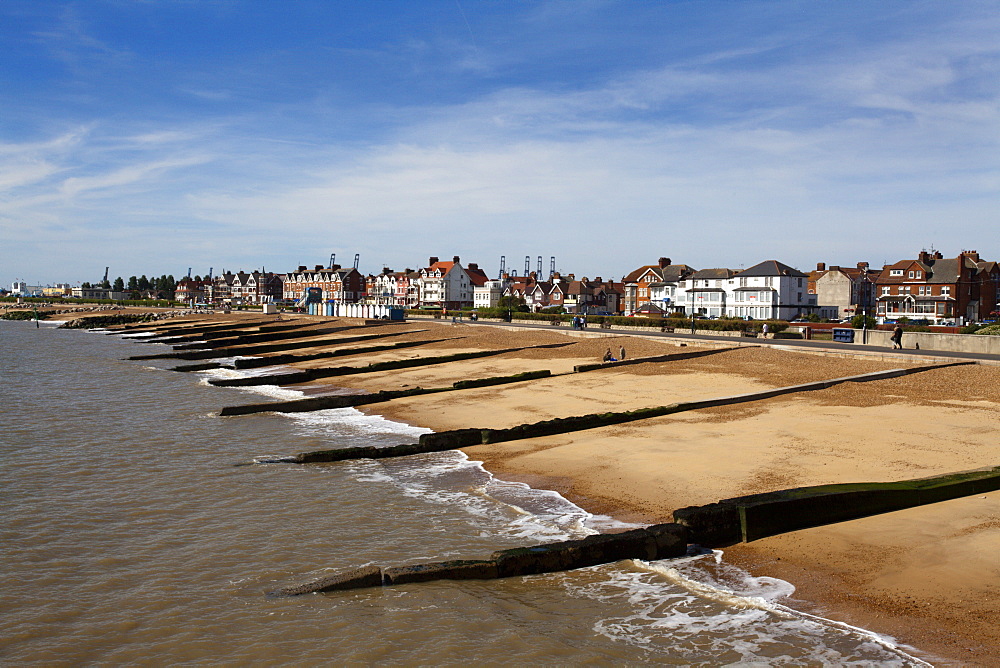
(720, 325)
(74, 301)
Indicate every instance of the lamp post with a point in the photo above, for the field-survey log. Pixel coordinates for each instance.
(865, 295)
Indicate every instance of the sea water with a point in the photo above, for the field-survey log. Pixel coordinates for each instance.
(137, 529)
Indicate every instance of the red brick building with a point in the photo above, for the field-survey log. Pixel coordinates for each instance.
(938, 289)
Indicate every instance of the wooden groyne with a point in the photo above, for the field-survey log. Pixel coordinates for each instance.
(307, 375)
(258, 362)
(748, 518)
(260, 348)
(660, 541)
(462, 438)
(276, 360)
(227, 331)
(351, 400)
(253, 338)
(670, 357)
(730, 521)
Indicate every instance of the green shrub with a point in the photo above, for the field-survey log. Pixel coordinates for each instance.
(23, 315)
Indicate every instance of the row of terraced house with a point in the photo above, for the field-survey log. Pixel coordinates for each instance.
(929, 287)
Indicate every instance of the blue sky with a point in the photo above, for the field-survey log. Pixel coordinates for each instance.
(153, 136)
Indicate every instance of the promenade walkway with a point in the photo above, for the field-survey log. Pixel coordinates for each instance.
(793, 344)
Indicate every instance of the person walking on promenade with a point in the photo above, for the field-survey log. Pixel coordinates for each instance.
(897, 337)
(765, 329)
(621, 353)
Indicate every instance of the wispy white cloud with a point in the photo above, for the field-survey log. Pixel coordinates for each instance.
(128, 175)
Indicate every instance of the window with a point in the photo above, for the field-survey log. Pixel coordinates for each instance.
(910, 275)
(743, 281)
(895, 272)
(920, 274)
(945, 289)
(800, 285)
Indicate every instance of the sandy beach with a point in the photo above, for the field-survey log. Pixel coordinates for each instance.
(926, 576)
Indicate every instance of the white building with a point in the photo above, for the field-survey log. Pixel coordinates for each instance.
(22, 289)
(705, 292)
(770, 291)
(766, 291)
(449, 284)
(488, 294)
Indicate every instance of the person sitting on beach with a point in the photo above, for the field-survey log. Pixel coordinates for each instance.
(608, 357)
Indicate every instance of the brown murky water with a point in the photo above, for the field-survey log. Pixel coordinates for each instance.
(131, 535)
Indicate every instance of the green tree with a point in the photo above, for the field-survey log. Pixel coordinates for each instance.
(106, 285)
(859, 321)
(511, 303)
(119, 285)
(133, 284)
(143, 283)
(86, 285)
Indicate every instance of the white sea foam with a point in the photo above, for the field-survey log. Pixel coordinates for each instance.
(137, 335)
(337, 419)
(729, 614)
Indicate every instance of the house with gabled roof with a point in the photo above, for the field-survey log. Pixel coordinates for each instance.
(704, 292)
(448, 285)
(588, 296)
(851, 290)
(663, 278)
(338, 285)
(938, 289)
(772, 290)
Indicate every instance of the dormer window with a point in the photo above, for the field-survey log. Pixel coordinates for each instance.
(895, 272)
(910, 275)
(919, 274)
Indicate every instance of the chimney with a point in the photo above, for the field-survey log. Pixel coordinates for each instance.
(663, 262)
(302, 267)
(432, 261)
(821, 266)
(334, 267)
(455, 259)
(863, 266)
(972, 255)
(473, 265)
(598, 280)
(924, 257)
(319, 267)
(386, 271)
(834, 267)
